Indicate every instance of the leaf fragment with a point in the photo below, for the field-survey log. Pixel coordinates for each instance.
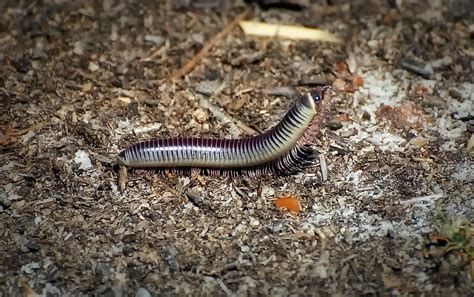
(289, 203)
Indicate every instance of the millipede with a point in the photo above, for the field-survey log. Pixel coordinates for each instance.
(285, 149)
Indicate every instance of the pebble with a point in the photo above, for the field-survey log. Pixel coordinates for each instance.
(419, 141)
(278, 226)
(207, 87)
(142, 292)
(156, 39)
(93, 66)
(254, 223)
(83, 159)
(456, 94)
(434, 101)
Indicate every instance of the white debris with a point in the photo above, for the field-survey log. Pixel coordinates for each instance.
(382, 89)
(353, 176)
(78, 48)
(93, 66)
(30, 267)
(83, 159)
(156, 39)
(467, 91)
(388, 141)
(450, 129)
(25, 138)
(362, 226)
(447, 60)
(321, 268)
(464, 172)
(461, 109)
(429, 199)
(148, 128)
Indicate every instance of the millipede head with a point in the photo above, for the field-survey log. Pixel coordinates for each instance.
(320, 91)
(318, 94)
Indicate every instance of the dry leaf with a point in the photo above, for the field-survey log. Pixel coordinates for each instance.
(419, 141)
(420, 90)
(201, 115)
(289, 203)
(339, 84)
(342, 69)
(27, 291)
(343, 117)
(390, 281)
(357, 81)
(122, 178)
(283, 31)
(351, 64)
(87, 87)
(406, 115)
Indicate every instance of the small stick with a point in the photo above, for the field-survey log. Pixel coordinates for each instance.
(429, 198)
(122, 178)
(234, 124)
(198, 57)
(324, 167)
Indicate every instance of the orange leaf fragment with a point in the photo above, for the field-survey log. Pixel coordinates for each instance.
(341, 68)
(420, 90)
(357, 81)
(289, 203)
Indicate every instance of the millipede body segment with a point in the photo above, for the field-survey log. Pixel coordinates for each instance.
(284, 149)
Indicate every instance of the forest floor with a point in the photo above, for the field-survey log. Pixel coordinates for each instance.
(81, 80)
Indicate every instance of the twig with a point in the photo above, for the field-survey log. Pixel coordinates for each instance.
(422, 199)
(31, 128)
(11, 135)
(287, 91)
(148, 128)
(244, 127)
(234, 124)
(198, 57)
(122, 178)
(410, 66)
(224, 287)
(324, 167)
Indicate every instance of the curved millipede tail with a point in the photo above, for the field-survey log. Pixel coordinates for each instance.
(283, 150)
